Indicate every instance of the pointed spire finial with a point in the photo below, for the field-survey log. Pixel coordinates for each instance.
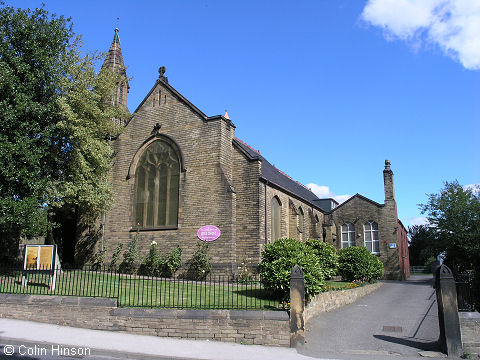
(226, 115)
(116, 27)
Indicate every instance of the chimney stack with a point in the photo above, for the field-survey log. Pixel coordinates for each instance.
(388, 182)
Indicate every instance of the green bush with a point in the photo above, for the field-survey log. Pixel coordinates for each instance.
(170, 263)
(356, 263)
(327, 255)
(278, 259)
(116, 256)
(199, 266)
(150, 263)
(130, 257)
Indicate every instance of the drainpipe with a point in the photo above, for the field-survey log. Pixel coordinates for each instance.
(266, 237)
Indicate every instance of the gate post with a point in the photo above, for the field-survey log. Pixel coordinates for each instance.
(450, 338)
(297, 307)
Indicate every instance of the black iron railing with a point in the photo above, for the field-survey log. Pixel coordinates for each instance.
(213, 292)
(467, 294)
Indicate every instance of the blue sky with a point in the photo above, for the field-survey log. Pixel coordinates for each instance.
(326, 90)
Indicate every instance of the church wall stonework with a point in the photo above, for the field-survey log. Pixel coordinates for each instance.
(204, 196)
(249, 237)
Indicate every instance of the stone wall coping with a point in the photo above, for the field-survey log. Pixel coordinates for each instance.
(56, 300)
(144, 312)
(330, 300)
(472, 315)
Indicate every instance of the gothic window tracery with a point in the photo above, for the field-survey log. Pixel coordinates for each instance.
(156, 187)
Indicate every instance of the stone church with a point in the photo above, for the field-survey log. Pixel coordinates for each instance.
(177, 169)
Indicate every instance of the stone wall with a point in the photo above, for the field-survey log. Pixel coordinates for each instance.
(248, 210)
(331, 300)
(470, 329)
(246, 327)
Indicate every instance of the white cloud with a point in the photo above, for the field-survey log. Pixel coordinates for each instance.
(419, 220)
(453, 25)
(323, 191)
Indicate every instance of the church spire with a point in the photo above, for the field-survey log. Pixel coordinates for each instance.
(114, 61)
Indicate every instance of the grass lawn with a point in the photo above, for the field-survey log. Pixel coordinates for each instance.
(339, 285)
(134, 291)
(143, 291)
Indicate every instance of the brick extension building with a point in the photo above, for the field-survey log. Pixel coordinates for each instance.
(177, 169)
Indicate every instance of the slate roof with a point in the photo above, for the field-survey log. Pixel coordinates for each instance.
(276, 177)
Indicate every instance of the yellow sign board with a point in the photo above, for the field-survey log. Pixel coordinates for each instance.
(39, 257)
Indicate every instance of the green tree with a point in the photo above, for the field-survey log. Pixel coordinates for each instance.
(454, 216)
(423, 245)
(54, 119)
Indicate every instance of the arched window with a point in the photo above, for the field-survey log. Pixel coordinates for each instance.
(156, 186)
(275, 207)
(348, 235)
(301, 220)
(372, 239)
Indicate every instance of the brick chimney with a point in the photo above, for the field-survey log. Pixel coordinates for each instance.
(388, 182)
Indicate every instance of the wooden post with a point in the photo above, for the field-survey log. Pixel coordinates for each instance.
(297, 307)
(450, 338)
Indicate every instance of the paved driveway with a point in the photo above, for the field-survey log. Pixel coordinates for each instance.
(400, 318)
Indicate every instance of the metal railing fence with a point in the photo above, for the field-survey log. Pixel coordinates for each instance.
(420, 269)
(213, 292)
(467, 294)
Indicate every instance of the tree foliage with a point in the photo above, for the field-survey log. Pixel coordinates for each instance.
(55, 118)
(454, 216)
(423, 246)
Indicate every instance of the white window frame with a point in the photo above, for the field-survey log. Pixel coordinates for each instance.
(369, 237)
(348, 235)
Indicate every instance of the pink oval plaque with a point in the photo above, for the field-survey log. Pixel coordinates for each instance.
(208, 233)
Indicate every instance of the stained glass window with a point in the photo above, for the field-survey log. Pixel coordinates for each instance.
(275, 218)
(156, 186)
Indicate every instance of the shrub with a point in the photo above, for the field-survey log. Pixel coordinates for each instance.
(130, 257)
(356, 263)
(199, 266)
(170, 263)
(327, 255)
(116, 256)
(150, 263)
(278, 259)
(99, 259)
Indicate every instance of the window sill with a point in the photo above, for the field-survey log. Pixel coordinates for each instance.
(160, 228)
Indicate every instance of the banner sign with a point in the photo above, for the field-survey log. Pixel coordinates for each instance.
(208, 233)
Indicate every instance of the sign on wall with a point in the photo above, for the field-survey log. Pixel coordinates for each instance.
(208, 233)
